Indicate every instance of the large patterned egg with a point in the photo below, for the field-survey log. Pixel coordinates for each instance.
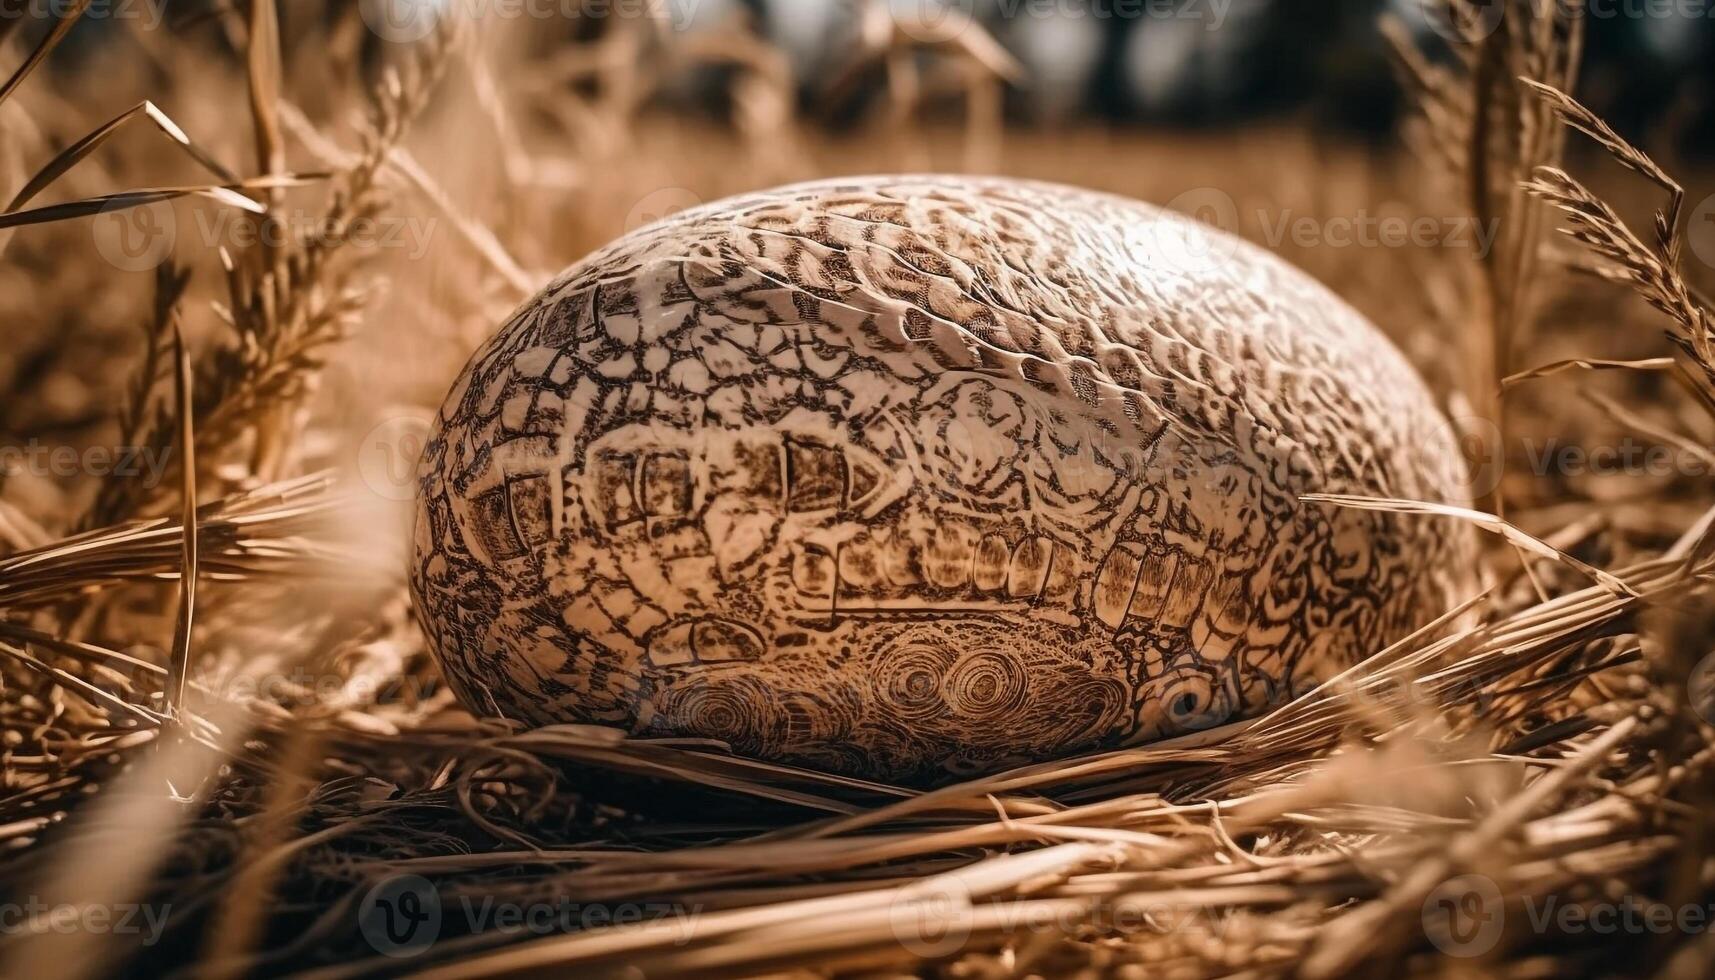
(913, 477)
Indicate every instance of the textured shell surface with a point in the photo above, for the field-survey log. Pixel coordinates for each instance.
(916, 477)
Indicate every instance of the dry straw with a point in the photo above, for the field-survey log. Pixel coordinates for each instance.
(1541, 740)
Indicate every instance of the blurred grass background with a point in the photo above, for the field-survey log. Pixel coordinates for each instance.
(442, 183)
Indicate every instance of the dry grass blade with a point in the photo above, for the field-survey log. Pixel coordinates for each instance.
(288, 314)
(1588, 364)
(1654, 273)
(1480, 135)
(1435, 95)
(1598, 227)
(400, 161)
(1547, 743)
(267, 531)
(73, 154)
(220, 193)
(240, 922)
(751, 936)
(180, 660)
(735, 774)
(1574, 114)
(263, 62)
(117, 499)
(959, 29)
(1487, 522)
(104, 864)
(92, 693)
(480, 239)
(87, 652)
(1340, 948)
(263, 69)
(67, 20)
(1632, 420)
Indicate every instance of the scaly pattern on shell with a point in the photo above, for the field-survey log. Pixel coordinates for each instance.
(916, 476)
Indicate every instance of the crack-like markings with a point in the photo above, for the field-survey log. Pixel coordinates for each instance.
(912, 477)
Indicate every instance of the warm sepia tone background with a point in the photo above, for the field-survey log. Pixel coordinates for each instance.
(427, 164)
